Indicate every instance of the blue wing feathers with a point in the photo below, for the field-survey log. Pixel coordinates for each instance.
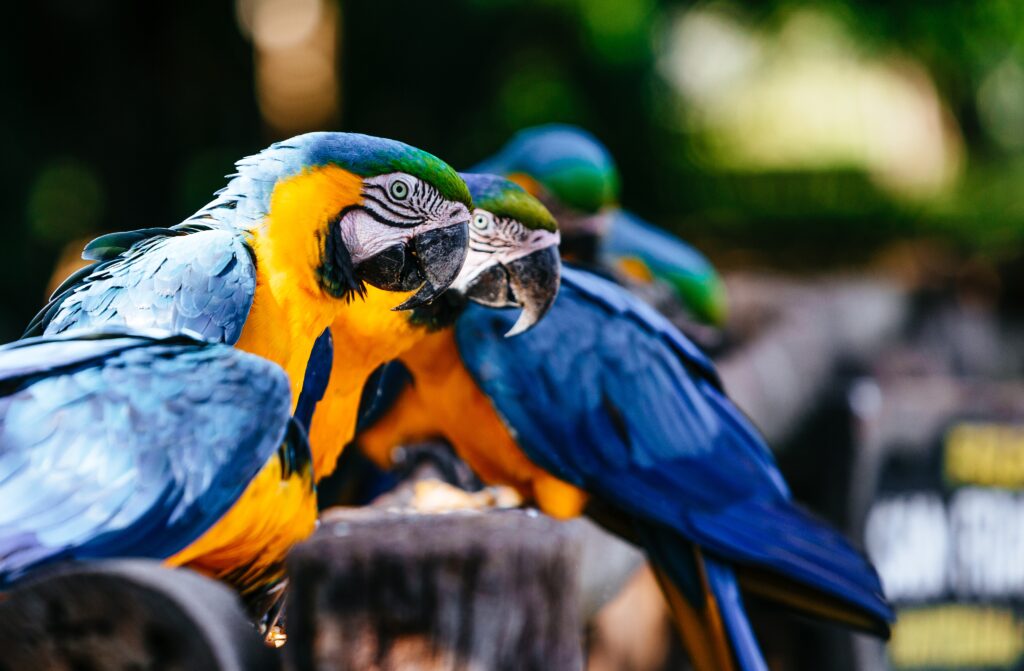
(114, 444)
(606, 394)
(194, 277)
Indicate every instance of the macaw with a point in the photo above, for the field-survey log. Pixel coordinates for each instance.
(573, 173)
(317, 230)
(137, 443)
(605, 408)
(512, 261)
(284, 251)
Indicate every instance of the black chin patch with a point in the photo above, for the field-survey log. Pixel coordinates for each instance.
(441, 312)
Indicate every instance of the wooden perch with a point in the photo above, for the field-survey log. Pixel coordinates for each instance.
(127, 614)
(381, 590)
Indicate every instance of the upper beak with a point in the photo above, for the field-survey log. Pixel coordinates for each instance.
(530, 282)
(534, 281)
(439, 255)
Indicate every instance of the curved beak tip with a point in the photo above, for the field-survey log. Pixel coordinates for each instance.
(523, 324)
(534, 281)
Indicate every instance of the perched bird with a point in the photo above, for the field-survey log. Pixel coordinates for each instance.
(512, 261)
(575, 176)
(141, 444)
(317, 230)
(607, 409)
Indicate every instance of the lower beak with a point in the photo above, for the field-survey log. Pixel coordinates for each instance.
(530, 283)
(534, 282)
(439, 255)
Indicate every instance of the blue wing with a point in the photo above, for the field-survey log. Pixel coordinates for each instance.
(607, 395)
(316, 379)
(117, 444)
(694, 280)
(194, 277)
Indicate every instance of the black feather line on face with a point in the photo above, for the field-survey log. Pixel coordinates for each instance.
(394, 223)
(336, 273)
(385, 202)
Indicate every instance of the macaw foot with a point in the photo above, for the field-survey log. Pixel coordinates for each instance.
(435, 496)
(266, 604)
(275, 637)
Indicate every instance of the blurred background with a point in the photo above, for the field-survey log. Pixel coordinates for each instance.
(855, 169)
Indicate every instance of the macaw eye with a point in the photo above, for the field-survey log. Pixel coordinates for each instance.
(481, 222)
(398, 189)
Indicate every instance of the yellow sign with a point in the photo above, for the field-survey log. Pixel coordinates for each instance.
(956, 636)
(987, 454)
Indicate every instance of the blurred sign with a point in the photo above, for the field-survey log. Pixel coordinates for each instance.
(946, 532)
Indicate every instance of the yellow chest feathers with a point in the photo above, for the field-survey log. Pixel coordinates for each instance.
(290, 308)
(273, 514)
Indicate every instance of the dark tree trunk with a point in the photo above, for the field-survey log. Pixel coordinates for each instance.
(382, 590)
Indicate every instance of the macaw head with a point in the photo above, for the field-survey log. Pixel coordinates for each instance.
(571, 172)
(513, 258)
(350, 210)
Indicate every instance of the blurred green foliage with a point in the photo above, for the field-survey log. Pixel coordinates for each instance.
(122, 114)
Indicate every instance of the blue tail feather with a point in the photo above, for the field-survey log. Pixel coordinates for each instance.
(678, 559)
(722, 582)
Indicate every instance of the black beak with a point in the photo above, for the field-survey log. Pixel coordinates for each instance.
(439, 255)
(530, 283)
(430, 261)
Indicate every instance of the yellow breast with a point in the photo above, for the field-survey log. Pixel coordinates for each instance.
(290, 309)
(273, 514)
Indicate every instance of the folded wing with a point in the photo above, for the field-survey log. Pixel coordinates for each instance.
(116, 444)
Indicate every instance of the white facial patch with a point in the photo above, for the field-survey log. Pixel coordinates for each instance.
(502, 241)
(396, 208)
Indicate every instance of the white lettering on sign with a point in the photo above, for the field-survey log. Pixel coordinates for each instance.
(907, 538)
(972, 549)
(988, 525)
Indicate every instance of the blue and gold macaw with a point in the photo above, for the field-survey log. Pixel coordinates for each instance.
(138, 444)
(605, 408)
(576, 178)
(512, 261)
(322, 230)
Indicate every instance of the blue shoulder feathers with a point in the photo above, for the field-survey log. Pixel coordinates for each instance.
(195, 277)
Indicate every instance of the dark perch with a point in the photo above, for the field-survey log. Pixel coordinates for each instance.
(130, 614)
(385, 590)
